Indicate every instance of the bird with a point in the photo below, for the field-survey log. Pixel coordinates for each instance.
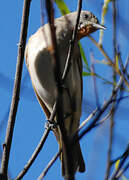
(39, 62)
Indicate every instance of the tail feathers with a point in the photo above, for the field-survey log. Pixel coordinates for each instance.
(76, 158)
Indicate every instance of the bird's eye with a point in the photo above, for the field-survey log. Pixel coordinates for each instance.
(86, 16)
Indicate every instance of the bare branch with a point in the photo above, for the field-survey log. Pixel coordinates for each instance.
(16, 91)
(94, 81)
(117, 172)
(104, 107)
(122, 171)
(71, 47)
(114, 107)
(34, 155)
(43, 174)
(118, 71)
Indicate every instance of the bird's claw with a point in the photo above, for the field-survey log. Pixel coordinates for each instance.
(50, 125)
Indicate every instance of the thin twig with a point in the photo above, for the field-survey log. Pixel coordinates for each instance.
(71, 47)
(109, 60)
(34, 155)
(80, 127)
(103, 120)
(43, 174)
(122, 171)
(110, 142)
(124, 71)
(113, 109)
(16, 91)
(39, 146)
(100, 47)
(104, 12)
(104, 107)
(117, 171)
(126, 152)
(86, 120)
(94, 81)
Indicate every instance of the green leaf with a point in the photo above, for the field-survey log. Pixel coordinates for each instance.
(86, 73)
(62, 6)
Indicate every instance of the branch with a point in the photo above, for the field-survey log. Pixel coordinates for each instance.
(43, 174)
(71, 47)
(109, 60)
(52, 161)
(124, 71)
(103, 14)
(122, 171)
(117, 171)
(126, 153)
(94, 81)
(34, 155)
(114, 107)
(39, 146)
(16, 90)
(104, 107)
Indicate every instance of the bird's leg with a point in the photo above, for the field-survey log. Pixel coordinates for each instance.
(50, 124)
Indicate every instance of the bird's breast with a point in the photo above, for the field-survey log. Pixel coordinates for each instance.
(42, 73)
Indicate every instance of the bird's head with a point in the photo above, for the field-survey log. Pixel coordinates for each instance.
(88, 23)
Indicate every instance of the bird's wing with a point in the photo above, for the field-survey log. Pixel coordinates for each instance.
(47, 112)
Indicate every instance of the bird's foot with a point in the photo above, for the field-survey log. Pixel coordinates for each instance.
(50, 125)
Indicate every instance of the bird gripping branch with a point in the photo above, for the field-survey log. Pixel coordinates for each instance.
(39, 62)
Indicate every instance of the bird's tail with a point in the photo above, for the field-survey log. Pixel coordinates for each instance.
(76, 159)
(75, 155)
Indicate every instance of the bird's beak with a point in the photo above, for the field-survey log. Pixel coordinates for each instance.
(98, 26)
(89, 28)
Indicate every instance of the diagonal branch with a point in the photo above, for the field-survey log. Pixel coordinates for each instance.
(117, 70)
(105, 106)
(42, 175)
(16, 91)
(34, 155)
(123, 159)
(39, 146)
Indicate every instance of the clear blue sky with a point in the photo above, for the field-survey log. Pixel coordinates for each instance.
(30, 118)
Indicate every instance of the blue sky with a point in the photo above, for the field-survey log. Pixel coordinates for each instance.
(30, 118)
